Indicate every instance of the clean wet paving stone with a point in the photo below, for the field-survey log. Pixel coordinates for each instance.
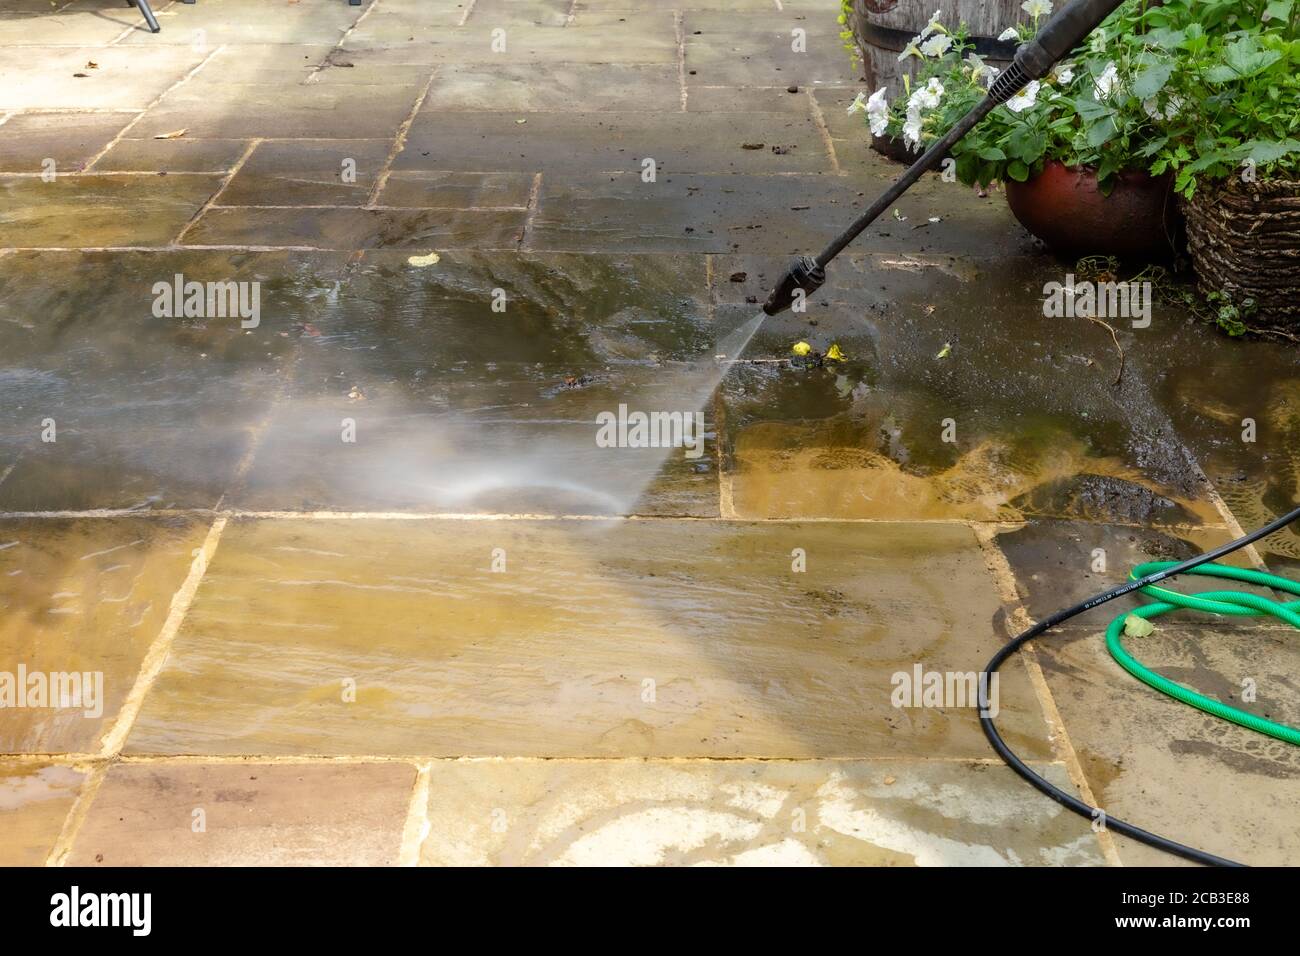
(81, 601)
(35, 798)
(246, 814)
(1167, 767)
(343, 229)
(746, 813)
(397, 637)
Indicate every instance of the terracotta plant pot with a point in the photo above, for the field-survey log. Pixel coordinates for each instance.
(1063, 207)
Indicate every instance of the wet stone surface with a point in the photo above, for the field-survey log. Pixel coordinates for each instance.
(473, 617)
(591, 642)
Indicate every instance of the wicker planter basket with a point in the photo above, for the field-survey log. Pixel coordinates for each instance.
(1245, 242)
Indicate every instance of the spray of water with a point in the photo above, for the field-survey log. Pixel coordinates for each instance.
(480, 460)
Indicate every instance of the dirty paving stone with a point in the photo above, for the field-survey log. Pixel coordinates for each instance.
(1035, 425)
(344, 229)
(252, 815)
(551, 656)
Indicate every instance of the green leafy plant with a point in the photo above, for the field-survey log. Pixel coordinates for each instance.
(1204, 89)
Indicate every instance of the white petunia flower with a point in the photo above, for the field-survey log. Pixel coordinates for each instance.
(990, 77)
(978, 68)
(859, 103)
(1097, 42)
(912, 127)
(937, 45)
(931, 26)
(878, 112)
(1106, 82)
(1025, 98)
(1009, 34)
(1173, 107)
(1063, 73)
(926, 97)
(912, 49)
(1037, 8)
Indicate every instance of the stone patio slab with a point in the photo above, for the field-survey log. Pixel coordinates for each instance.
(613, 142)
(350, 229)
(44, 77)
(70, 139)
(589, 644)
(78, 212)
(83, 597)
(439, 189)
(527, 88)
(745, 813)
(338, 172)
(172, 155)
(1173, 769)
(146, 411)
(247, 815)
(34, 800)
(248, 22)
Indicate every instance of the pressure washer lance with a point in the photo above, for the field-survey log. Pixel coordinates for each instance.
(1061, 34)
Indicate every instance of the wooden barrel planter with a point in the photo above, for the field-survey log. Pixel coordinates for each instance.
(1244, 239)
(882, 29)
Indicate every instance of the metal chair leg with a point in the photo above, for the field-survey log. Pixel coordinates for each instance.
(149, 18)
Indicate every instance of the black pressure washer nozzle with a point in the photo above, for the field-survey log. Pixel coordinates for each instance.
(804, 274)
(1061, 34)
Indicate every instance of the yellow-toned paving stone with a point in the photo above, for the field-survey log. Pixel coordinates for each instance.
(582, 638)
(34, 800)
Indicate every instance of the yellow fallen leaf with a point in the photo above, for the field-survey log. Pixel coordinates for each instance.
(174, 134)
(419, 261)
(801, 348)
(834, 354)
(945, 351)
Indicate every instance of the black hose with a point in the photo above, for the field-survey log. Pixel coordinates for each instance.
(1069, 801)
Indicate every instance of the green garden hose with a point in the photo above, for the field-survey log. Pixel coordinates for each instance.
(1234, 603)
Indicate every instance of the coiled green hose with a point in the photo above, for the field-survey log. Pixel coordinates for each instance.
(1235, 603)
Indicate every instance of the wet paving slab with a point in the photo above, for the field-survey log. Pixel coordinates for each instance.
(244, 111)
(172, 155)
(359, 636)
(1060, 563)
(344, 229)
(570, 142)
(31, 141)
(939, 412)
(1237, 406)
(450, 404)
(518, 87)
(97, 211)
(246, 814)
(110, 405)
(764, 49)
(443, 189)
(34, 801)
(1167, 767)
(746, 813)
(308, 172)
(81, 601)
